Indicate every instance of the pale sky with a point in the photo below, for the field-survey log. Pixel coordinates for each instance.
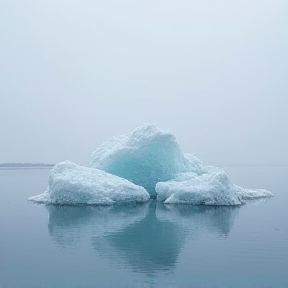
(75, 73)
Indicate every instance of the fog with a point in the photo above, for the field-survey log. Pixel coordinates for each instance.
(75, 73)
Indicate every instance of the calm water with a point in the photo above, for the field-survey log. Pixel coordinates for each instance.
(149, 245)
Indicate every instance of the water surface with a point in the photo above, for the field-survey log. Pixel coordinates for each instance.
(147, 245)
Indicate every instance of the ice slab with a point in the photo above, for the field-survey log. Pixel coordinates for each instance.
(71, 184)
(211, 188)
(253, 193)
(145, 157)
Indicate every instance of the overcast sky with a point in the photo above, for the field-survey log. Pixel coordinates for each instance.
(75, 73)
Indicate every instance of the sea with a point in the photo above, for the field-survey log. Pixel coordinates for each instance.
(145, 245)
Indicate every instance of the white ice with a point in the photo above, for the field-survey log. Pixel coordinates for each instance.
(212, 188)
(145, 156)
(73, 184)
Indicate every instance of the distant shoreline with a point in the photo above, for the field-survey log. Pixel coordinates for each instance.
(25, 165)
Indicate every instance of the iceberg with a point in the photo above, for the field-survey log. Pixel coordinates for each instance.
(145, 157)
(212, 188)
(71, 184)
(145, 163)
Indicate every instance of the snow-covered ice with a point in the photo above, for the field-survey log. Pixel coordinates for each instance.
(145, 157)
(253, 193)
(207, 189)
(212, 188)
(73, 184)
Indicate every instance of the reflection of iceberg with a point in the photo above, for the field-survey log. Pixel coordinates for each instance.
(69, 224)
(218, 219)
(145, 238)
(147, 246)
(154, 243)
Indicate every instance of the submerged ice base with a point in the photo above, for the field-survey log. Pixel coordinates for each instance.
(71, 184)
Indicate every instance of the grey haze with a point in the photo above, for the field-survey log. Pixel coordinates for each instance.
(75, 73)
